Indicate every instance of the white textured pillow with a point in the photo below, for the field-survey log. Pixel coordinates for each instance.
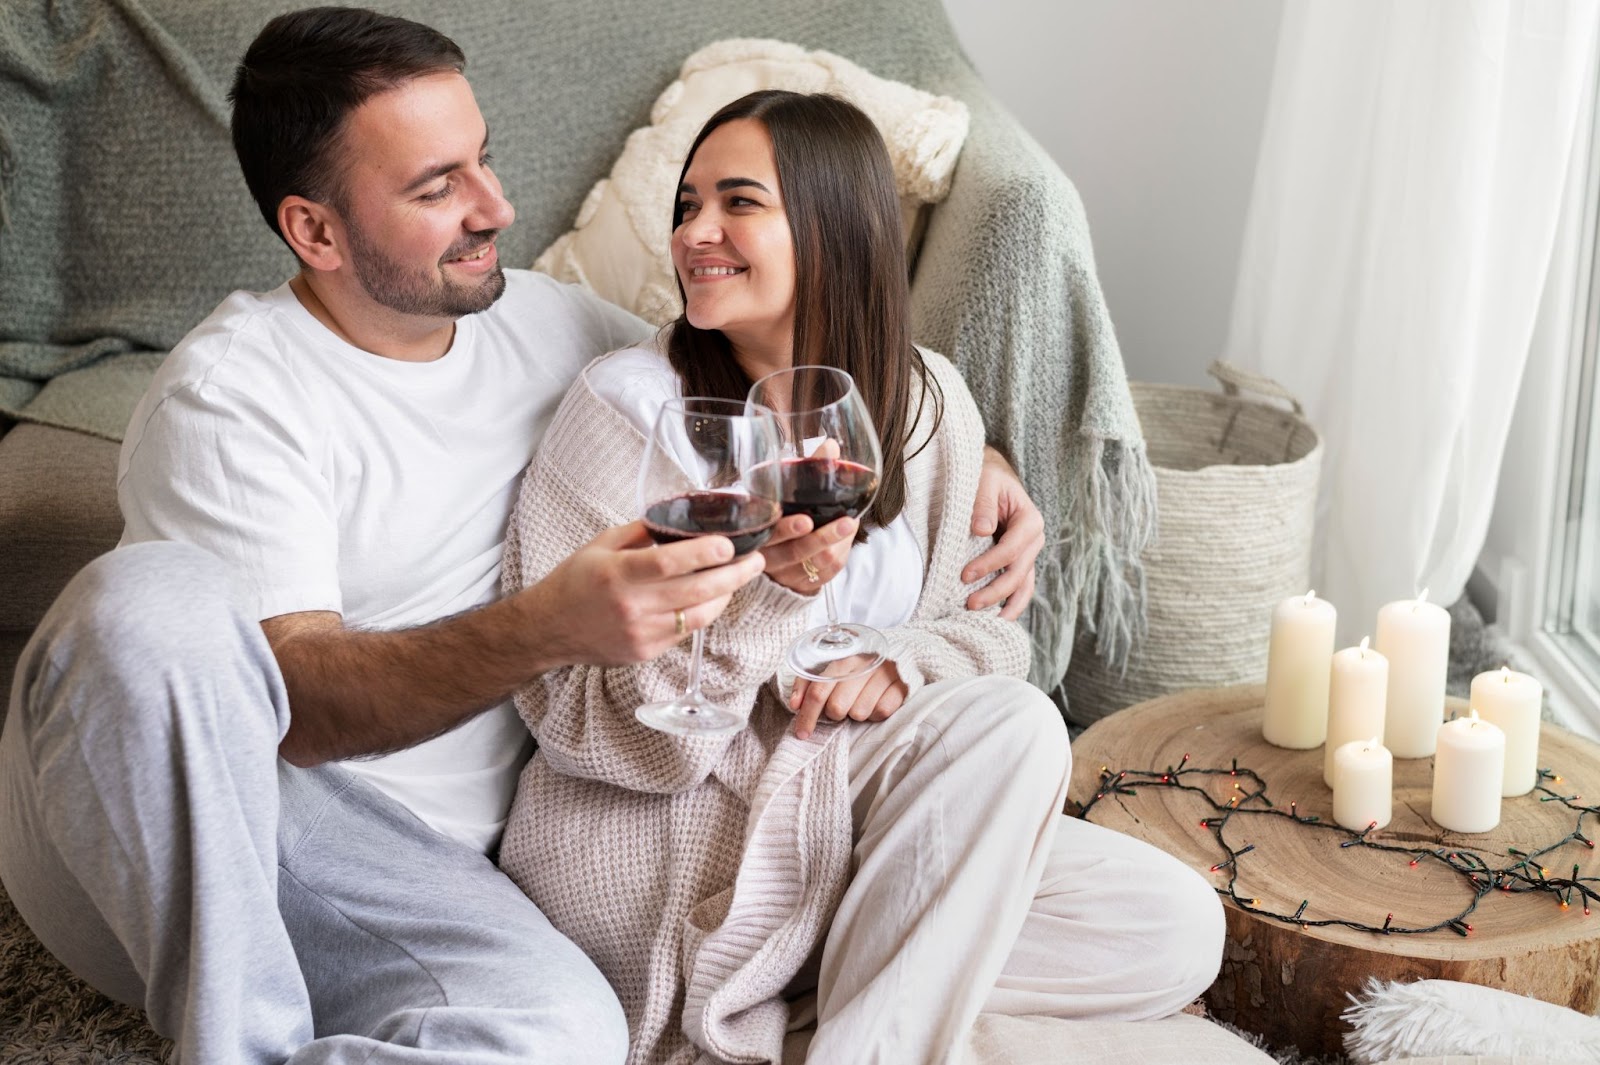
(1440, 1018)
(620, 246)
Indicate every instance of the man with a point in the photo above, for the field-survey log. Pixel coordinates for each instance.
(261, 754)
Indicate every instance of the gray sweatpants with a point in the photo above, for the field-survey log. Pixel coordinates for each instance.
(155, 842)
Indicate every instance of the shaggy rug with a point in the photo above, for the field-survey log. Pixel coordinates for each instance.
(49, 1017)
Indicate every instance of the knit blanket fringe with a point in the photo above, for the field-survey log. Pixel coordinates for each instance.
(1092, 571)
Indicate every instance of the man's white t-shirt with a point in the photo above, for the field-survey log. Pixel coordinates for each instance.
(333, 479)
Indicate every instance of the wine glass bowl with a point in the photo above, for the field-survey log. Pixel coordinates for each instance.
(710, 468)
(747, 521)
(831, 465)
(826, 489)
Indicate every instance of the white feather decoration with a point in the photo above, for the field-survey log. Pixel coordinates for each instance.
(1437, 1018)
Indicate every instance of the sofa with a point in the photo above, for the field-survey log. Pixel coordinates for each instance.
(123, 221)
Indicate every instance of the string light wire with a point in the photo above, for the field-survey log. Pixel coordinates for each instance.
(1526, 875)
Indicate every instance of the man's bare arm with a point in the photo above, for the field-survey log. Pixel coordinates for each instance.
(614, 602)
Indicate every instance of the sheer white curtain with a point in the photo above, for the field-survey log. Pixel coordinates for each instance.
(1397, 244)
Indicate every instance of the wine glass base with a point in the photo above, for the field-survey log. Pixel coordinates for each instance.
(690, 717)
(838, 652)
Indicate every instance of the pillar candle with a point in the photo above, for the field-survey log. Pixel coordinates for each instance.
(1299, 658)
(1363, 784)
(1357, 688)
(1414, 635)
(1468, 767)
(1512, 701)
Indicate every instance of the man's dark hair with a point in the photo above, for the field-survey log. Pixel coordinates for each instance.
(299, 81)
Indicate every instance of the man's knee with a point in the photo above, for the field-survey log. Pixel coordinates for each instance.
(147, 636)
(147, 602)
(564, 1011)
(592, 1026)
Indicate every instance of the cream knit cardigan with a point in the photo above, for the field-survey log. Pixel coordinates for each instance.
(700, 874)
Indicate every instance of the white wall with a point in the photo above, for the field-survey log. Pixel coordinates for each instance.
(1154, 109)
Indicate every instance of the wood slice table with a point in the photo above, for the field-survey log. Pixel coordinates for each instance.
(1289, 982)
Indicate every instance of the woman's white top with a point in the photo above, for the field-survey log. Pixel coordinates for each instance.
(882, 579)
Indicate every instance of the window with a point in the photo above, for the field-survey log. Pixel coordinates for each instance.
(1561, 633)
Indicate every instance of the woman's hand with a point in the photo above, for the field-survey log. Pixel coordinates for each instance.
(872, 697)
(794, 544)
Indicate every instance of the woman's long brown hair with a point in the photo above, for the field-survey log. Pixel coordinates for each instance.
(852, 292)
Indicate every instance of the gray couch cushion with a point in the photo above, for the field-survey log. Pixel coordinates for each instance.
(58, 510)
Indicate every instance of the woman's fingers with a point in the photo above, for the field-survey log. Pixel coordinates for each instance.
(892, 699)
(810, 697)
(825, 550)
(872, 691)
(872, 697)
(838, 701)
(789, 528)
(790, 551)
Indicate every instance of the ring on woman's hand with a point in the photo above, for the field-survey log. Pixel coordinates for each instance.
(810, 567)
(679, 624)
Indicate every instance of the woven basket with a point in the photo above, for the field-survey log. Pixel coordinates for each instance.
(1236, 483)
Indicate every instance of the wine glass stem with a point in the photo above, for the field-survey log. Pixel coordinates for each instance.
(695, 655)
(832, 608)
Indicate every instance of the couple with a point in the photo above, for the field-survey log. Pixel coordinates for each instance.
(250, 780)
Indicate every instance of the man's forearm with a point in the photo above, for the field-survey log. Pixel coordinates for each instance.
(355, 692)
(616, 601)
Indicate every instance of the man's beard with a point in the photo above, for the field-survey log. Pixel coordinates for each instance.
(393, 285)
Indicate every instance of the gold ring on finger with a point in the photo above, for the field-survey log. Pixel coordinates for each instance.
(680, 624)
(812, 573)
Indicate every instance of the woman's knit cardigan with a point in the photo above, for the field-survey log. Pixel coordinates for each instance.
(700, 874)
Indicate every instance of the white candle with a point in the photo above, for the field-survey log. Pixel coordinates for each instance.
(1357, 689)
(1512, 701)
(1414, 635)
(1363, 784)
(1299, 659)
(1467, 770)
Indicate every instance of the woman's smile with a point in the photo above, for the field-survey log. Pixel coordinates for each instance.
(732, 246)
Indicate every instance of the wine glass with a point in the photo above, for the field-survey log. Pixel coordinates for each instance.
(831, 464)
(711, 467)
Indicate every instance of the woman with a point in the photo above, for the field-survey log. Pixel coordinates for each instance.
(904, 857)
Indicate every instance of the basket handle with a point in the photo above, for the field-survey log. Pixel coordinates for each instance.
(1235, 379)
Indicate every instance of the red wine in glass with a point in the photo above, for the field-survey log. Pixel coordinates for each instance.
(830, 467)
(710, 468)
(826, 489)
(745, 520)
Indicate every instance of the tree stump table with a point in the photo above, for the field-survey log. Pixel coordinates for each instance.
(1289, 981)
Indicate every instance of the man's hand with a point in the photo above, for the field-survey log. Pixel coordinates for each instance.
(871, 697)
(1003, 505)
(615, 601)
(794, 543)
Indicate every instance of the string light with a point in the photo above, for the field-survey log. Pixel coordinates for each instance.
(1526, 875)
(1223, 865)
